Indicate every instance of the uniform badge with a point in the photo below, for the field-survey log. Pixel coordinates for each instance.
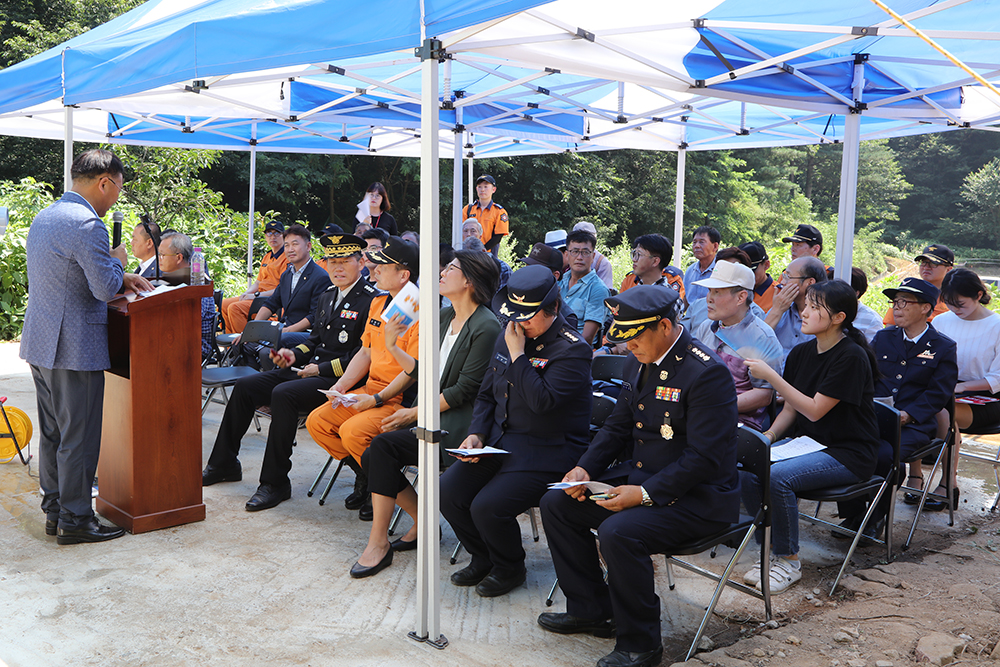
(663, 375)
(672, 394)
(375, 322)
(627, 386)
(349, 314)
(678, 358)
(926, 354)
(342, 337)
(538, 363)
(666, 430)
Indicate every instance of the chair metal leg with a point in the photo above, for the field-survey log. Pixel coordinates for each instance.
(858, 534)
(670, 575)
(945, 448)
(208, 399)
(312, 489)
(454, 554)
(552, 592)
(765, 582)
(534, 523)
(326, 492)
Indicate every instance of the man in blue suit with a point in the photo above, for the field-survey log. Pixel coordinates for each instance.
(674, 426)
(299, 289)
(71, 274)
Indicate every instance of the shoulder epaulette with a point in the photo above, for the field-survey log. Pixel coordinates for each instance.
(368, 287)
(570, 335)
(698, 353)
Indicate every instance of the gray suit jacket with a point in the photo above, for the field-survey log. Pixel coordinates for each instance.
(71, 276)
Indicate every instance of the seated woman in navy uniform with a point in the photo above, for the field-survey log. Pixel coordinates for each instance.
(674, 426)
(469, 330)
(828, 387)
(535, 404)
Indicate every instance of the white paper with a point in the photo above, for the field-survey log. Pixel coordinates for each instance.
(795, 447)
(482, 451)
(593, 487)
(132, 296)
(336, 398)
(363, 210)
(406, 303)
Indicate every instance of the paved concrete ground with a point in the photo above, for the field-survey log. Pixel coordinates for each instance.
(273, 587)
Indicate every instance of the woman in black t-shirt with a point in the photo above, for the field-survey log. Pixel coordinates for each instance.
(828, 386)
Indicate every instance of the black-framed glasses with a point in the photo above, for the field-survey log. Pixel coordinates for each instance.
(902, 303)
(121, 188)
(636, 255)
(581, 252)
(787, 276)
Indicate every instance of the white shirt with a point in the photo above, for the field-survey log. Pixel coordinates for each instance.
(978, 344)
(144, 264)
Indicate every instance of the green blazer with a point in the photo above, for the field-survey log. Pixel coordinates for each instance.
(464, 370)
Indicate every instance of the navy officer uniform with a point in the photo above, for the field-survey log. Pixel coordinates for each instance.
(338, 322)
(537, 407)
(919, 376)
(679, 419)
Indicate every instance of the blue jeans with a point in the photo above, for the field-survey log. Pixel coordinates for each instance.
(812, 471)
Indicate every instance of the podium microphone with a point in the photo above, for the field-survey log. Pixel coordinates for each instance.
(116, 225)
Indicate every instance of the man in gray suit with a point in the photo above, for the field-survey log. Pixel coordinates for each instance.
(71, 274)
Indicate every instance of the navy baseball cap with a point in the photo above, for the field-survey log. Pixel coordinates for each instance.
(486, 177)
(919, 288)
(937, 254)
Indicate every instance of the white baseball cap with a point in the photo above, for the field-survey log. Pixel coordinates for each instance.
(729, 274)
(556, 239)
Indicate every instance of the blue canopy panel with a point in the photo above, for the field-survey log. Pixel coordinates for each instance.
(222, 37)
(496, 118)
(887, 75)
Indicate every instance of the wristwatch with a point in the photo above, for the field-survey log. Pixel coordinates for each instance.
(257, 293)
(646, 500)
(378, 400)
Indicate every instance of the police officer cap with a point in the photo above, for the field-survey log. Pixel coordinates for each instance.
(341, 245)
(331, 228)
(528, 290)
(805, 234)
(637, 309)
(937, 254)
(921, 289)
(397, 251)
(274, 226)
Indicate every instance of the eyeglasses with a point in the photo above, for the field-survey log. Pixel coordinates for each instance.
(448, 268)
(636, 255)
(902, 303)
(120, 187)
(167, 254)
(581, 252)
(788, 276)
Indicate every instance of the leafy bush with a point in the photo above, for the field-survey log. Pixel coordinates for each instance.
(25, 200)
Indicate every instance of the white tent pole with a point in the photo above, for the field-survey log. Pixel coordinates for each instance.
(253, 188)
(472, 180)
(428, 383)
(849, 183)
(679, 207)
(456, 184)
(68, 149)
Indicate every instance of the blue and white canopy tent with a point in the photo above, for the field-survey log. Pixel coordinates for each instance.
(640, 73)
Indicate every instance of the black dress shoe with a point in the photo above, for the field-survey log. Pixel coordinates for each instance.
(400, 545)
(627, 659)
(210, 475)
(51, 524)
(934, 505)
(360, 571)
(92, 531)
(268, 496)
(493, 586)
(567, 624)
(470, 575)
(357, 497)
(367, 512)
(850, 523)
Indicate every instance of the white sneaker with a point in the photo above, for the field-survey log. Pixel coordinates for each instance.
(784, 573)
(752, 576)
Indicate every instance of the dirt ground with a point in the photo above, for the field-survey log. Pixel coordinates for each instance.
(273, 588)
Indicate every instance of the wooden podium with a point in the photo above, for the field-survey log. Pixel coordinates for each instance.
(149, 473)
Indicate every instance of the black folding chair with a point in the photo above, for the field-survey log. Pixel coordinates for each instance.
(216, 379)
(873, 488)
(941, 449)
(753, 456)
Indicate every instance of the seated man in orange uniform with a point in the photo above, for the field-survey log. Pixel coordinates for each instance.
(388, 356)
(236, 309)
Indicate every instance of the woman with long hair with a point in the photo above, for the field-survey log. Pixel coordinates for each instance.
(976, 332)
(469, 330)
(828, 387)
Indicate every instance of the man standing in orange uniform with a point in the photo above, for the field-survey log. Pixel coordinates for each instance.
(236, 309)
(491, 215)
(388, 356)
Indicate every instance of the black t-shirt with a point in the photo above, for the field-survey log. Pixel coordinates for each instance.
(385, 221)
(850, 429)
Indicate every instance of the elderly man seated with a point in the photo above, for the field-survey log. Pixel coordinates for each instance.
(175, 255)
(785, 316)
(735, 333)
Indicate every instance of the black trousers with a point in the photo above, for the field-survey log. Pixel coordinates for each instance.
(482, 503)
(628, 540)
(385, 458)
(288, 395)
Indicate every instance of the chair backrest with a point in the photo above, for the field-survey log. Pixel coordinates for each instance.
(265, 332)
(601, 408)
(889, 429)
(753, 454)
(608, 367)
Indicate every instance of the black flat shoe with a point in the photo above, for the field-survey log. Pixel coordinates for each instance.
(470, 575)
(360, 571)
(935, 505)
(910, 497)
(567, 624)
(52, 525)
(400, 545)
(210, 475)
(93, 531)
(268, 496)
(626, 659)
(493, 586)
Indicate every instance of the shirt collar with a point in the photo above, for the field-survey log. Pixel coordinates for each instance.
(915, 339)
(345, 292)
(291, 267)
(760, 289)
(144, 264)
(672, 345)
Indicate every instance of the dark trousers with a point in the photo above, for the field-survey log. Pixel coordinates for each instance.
(911, 438)
(482, 503)
(288, 395)
(628, 539)
(385, 458)
(70, 415)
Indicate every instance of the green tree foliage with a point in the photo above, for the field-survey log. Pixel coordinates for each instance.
(24, 200)
(981, 190)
